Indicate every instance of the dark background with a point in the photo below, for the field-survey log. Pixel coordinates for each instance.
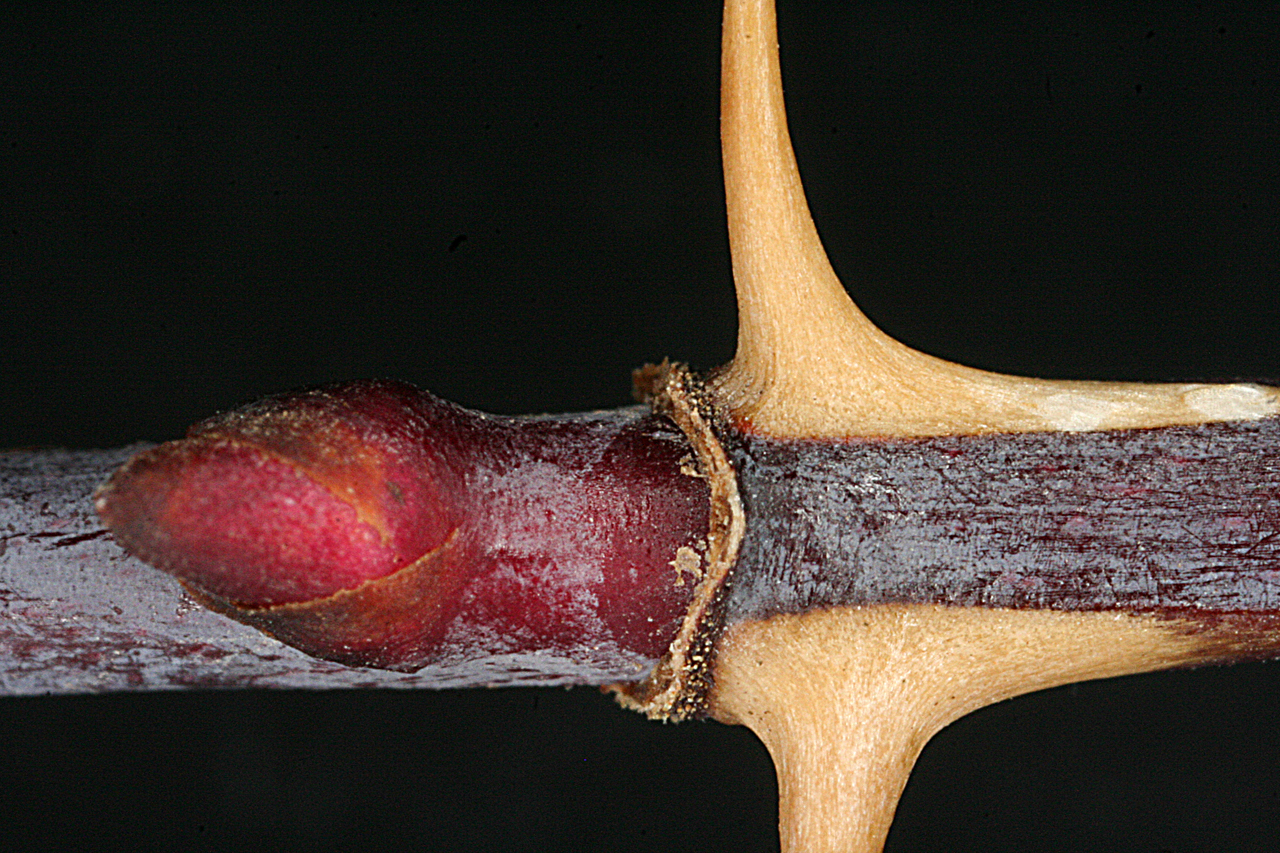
(513, 204)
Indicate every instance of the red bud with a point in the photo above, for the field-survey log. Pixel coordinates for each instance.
(374, 524)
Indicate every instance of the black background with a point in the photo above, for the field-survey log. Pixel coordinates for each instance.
(515, 204)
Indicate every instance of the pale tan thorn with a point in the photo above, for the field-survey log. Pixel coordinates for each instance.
(810, 364)
(845, 699)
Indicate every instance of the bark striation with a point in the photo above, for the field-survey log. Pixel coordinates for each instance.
(1176, 521)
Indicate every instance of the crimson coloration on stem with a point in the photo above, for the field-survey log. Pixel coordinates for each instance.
(373, 524)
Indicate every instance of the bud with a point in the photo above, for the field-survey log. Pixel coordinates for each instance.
(373, 524)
